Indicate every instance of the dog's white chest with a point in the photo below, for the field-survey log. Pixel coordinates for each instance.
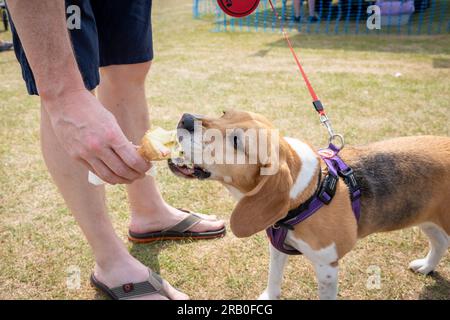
(309, 165)
(324, 255)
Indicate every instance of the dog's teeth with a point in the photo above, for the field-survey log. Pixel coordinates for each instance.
(183, 163)
(178, 161)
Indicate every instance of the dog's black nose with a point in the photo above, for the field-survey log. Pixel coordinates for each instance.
(187, 122)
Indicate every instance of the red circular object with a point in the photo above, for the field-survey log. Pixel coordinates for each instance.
(238, 8)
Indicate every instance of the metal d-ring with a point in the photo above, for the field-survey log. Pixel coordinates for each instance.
(337, 137)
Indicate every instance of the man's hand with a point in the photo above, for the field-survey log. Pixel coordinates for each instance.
(90, 133)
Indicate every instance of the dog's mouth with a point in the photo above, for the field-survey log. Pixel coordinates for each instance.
(188, 171)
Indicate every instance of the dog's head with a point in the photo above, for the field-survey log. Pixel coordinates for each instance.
(243, 151)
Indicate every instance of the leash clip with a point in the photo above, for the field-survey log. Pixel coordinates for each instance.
(327, 123)
(335, 138)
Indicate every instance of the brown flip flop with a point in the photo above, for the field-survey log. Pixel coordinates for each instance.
(177, 232)
(153, 285)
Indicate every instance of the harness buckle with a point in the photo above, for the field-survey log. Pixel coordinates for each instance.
(350, 180)
(278, 225)
(349, 177)
(328, 189)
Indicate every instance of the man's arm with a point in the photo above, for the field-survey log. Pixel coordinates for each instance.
(85, 129)
(42, 28)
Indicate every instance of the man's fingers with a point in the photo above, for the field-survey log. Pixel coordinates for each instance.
(106, 174)
(91, 179)
(118, 166)
(87, 165)
(128, 153)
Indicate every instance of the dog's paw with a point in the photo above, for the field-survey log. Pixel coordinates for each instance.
(267, 296)
(421, 266)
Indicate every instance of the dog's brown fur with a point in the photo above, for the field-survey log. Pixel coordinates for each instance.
(404, 182)
(406, 178)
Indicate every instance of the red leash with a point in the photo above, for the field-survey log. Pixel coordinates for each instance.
(305, 77)
(316, 102)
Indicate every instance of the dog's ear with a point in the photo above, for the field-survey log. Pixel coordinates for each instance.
(264, 205)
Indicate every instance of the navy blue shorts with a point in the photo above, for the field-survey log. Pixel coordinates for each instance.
(111, 32)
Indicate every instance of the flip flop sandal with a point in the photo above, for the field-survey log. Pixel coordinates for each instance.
(153, 285)
(5, 46)
(177, 232)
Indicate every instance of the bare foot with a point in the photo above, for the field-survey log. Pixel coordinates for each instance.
(129, 270)
(169, 216)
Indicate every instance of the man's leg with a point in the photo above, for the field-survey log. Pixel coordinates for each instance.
(296, 8)
(312, 7)
(122, 91)
(114, 265)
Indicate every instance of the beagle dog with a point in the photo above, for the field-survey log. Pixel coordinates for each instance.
(404, 182)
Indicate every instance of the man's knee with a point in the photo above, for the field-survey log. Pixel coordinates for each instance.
(126, 74)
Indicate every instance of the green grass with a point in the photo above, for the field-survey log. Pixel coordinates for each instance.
(196, 70)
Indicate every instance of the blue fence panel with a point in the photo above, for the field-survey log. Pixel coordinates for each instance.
(410, 17)
(442, 16)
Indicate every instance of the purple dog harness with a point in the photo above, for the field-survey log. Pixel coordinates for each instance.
(323, 196)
